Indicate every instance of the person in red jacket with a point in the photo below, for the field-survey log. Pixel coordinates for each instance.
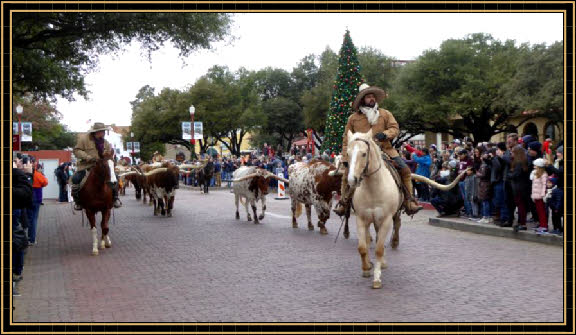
(38, 182)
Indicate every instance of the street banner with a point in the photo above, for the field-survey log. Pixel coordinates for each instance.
(26, 131)
(129, 146)
(136, 146)
(186, 131)
(198, 131)
(14, 128)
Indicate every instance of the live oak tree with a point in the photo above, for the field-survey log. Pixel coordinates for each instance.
(466, 87)
(53, 51)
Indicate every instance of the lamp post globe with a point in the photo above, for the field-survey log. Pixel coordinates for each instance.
(192, 141)
(19, 111)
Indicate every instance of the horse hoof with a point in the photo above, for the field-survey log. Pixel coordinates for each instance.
(237, 216)
(169, 215)
(346, 235)
(310, 227)
(249, 219)
(323, 231)
(366, 274)
(261, 217)
(94, 252)
(376, 284)
(394, 244)
(294, 224)
(109, 245)
(256, 222)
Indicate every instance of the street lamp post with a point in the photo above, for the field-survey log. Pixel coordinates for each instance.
(19, 111)
(132, 138)
(192, 141)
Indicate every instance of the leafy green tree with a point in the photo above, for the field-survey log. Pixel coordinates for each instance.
(463, 80)
(284, 117)
(538, 81)
(271, 83)
(316, 101)
(53, 51)
(376, 68)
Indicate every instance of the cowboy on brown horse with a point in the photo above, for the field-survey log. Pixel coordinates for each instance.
(384, 127)
(91, 147)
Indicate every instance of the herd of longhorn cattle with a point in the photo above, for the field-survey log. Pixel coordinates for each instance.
(310, 185)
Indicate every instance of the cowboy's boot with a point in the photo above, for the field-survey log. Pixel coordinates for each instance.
(74, 190)
(411, 206)
(117, 202)
(343, 205)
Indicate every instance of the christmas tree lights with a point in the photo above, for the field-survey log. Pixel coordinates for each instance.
(344, 91)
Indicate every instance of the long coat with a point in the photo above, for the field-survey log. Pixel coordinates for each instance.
(358, 122)
(85, 150)
(484, 186)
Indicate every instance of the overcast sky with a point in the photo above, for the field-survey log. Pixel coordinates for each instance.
(282, 40)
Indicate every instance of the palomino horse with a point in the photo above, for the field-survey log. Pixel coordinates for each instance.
(96, 196)
(376, 200)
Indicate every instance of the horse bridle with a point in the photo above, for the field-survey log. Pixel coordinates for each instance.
(364, 171)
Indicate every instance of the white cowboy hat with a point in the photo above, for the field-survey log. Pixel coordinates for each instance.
(98, 126)
(366, 89)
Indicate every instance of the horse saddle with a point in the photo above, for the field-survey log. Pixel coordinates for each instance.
(394, 171)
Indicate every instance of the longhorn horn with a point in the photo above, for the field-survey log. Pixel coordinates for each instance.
(246, 177)
(155, 171)
(269, 174)
(436, 185)
(128, 173)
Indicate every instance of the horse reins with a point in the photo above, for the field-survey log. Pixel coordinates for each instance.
(364, 171)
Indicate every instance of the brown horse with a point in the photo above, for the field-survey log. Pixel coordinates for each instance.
(96, 196)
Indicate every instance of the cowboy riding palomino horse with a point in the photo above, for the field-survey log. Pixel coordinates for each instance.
(96, 196)
(377, 199)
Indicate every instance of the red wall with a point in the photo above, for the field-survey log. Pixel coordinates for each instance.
(61, 155)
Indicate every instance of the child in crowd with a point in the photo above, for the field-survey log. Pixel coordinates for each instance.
(539, 178)
(555, 203)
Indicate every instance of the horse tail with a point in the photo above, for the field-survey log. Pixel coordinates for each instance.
(435, 184)
(298, 209)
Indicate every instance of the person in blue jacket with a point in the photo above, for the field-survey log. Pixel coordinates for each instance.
(423, 169)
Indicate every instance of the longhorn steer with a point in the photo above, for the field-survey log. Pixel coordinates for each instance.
(163, 182)
(251, 183)
(311, 184)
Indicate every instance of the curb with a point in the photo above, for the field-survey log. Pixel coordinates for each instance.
(479, 228)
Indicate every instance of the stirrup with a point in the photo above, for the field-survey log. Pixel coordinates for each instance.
(340, 209)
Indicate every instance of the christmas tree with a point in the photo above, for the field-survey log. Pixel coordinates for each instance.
(344, 91)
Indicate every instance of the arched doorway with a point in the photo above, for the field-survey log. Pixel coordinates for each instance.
(530, 129)
(550, 131)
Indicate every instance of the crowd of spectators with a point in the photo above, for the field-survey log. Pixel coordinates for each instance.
(28, 180)
(503, 182)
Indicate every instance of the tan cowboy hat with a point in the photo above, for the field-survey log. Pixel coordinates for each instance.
(366, 89)
(98, 126)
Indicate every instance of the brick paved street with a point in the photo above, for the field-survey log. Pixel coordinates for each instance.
(202, 265)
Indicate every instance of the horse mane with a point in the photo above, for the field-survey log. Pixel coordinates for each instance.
(101, 170)
(364, 136)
